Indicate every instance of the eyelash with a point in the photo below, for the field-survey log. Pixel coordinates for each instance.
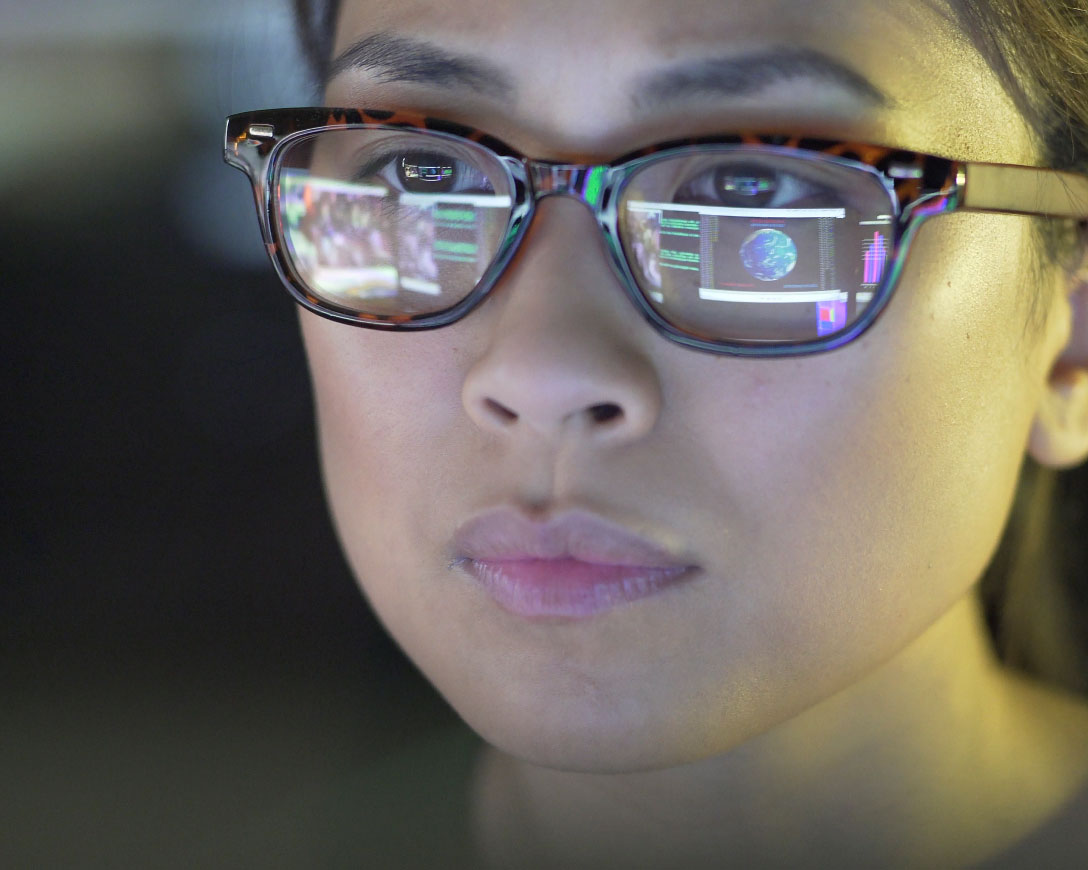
(384, 166)
(789, 189)
(798, 188)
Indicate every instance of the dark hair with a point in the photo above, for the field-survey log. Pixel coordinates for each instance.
(315, 21)
(1039, 51)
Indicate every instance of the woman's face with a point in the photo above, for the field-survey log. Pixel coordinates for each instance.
(837, 505)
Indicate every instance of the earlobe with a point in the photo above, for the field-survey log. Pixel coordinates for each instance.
(1059, 434)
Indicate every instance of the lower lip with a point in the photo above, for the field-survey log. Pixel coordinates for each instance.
(567, 587)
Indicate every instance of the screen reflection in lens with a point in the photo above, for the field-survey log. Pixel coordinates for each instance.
(391, 223)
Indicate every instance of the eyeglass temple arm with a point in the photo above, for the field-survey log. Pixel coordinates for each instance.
(1024, 190)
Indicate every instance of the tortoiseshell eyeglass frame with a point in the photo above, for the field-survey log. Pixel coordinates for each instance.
(920, 186)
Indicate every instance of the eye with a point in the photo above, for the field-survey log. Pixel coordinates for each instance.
(424, 172)
(748, 185)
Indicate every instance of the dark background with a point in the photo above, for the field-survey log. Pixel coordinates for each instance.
(188, 673)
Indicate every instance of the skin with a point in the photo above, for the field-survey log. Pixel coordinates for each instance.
(827, 687)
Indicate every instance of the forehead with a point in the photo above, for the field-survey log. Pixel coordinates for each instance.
(573, 65)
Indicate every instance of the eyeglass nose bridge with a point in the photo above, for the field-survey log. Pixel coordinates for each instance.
(583, 182)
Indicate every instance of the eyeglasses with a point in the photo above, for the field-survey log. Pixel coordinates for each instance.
(744, 244)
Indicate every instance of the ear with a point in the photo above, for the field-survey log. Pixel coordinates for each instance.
(1059, 434)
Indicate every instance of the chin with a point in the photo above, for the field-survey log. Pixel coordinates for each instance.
(575, 738)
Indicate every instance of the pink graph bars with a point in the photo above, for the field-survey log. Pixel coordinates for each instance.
(876, 258)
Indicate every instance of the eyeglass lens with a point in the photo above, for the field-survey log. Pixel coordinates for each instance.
(725, 244)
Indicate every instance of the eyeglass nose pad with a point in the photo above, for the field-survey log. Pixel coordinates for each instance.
(568, 179)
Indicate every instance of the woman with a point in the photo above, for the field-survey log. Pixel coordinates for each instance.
(687, 517)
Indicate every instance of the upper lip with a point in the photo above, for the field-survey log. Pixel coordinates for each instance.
(508, 534)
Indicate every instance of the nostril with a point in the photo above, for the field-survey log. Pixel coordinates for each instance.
(606, 412)
(602, 413)
(501, 411)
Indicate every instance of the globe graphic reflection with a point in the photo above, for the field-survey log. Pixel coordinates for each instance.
(769, 255)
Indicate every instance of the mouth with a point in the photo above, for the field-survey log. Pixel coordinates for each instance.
(574, 566)
(569, 588)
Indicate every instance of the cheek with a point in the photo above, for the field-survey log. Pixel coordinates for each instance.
(876, 480)
(387, 406)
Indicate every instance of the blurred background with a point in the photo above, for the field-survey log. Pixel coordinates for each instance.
(188, 673)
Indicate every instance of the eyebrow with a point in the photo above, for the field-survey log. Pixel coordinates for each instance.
(748, 74)
(393, 58)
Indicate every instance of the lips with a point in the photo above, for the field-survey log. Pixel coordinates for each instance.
(506, 534)
(576, 565)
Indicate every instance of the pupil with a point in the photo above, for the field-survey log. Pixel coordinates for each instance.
(744, 182)
(426, 172)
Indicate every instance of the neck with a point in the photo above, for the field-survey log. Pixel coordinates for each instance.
(909, 765)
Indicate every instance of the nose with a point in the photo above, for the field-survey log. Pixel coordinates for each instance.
(579, 181)
(566, 355)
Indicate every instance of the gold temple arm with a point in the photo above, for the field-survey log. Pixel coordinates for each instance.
(1024, 190)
